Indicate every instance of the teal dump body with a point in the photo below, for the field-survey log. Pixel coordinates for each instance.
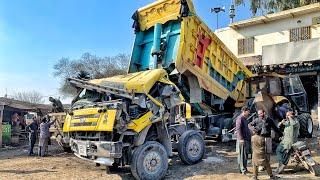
(162, 39)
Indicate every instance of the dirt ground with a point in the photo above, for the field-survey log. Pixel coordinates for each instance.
(220, 163)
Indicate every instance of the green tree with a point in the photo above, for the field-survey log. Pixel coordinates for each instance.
(271, 6)
(93, 66)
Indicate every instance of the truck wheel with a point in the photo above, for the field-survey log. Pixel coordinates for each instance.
(67, 149)
(191, 147)
(149, 161)
(306, 125)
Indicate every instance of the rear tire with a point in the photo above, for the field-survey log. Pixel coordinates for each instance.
(191, 147)
(67, 149)
(314, 170)
(306, 125)
(149, 161)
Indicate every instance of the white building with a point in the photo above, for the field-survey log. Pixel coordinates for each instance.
(284, 37)
(285, 42)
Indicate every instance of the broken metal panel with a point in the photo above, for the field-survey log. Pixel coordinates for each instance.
(301, 51)
(195, 90)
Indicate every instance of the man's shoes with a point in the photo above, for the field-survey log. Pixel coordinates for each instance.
(273, 177)
(245, 172)
(261, 168)
(280, 169)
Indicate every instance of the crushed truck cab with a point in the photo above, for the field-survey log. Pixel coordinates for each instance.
(115, 121)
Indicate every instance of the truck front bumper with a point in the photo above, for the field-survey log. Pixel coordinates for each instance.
(102, 152)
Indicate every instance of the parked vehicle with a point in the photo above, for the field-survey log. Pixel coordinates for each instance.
(302, 155)
(272, 92)
(56, 132)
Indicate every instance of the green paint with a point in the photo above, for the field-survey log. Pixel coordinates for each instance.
(6, 133)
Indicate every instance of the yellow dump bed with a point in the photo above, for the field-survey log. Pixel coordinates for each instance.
(170, 35)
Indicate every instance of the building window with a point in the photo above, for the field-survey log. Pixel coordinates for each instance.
(246, 46)
(299, 34)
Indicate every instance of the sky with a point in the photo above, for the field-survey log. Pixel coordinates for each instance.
(35, 34)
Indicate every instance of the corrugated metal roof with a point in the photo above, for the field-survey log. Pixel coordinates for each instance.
(23, 105)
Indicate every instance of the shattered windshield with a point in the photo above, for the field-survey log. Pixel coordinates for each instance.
(87, 97)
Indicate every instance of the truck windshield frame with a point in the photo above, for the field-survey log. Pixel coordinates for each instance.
(87, 97)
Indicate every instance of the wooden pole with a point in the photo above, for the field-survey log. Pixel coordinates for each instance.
(1, 118)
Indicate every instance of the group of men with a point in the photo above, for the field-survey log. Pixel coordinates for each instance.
(44, 135)
(255, 138)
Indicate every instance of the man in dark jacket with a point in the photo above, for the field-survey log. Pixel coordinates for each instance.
(32, 129)
(262, 142)
(243, 139)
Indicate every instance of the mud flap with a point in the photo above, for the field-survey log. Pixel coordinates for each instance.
(164, 138)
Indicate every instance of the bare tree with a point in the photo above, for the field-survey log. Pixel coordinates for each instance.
(94, 66)
(29, 96)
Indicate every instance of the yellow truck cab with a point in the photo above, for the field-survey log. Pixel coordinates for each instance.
(135, 119)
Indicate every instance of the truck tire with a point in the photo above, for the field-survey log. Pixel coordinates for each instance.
(191, 147)
(67, 149)
(149, 161)
(306, 125)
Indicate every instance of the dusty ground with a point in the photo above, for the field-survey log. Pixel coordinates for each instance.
(220, 163)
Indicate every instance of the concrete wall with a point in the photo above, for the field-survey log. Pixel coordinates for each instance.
(307, 50)
(270, 33)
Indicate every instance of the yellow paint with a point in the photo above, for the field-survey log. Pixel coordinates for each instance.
(66, 125)
(278, 99)
(161, 12)
(105, 122)
(140, 82)
(222, 59)
(188, 111)
(139, 124)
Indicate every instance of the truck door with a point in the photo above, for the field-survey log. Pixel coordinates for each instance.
(295, 91)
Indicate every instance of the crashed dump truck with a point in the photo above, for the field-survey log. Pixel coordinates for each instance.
(135, 119)
(182, 83)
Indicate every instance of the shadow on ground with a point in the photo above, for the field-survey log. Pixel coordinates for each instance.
(26, 172)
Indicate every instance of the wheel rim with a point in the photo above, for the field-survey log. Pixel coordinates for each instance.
(310, 126)
(152, 162)
(193, 148)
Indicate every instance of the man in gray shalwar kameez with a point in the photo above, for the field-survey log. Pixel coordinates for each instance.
(44, 136)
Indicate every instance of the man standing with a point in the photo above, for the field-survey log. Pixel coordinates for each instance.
(243, 139)
(32, 129)
(291, 133)
(44, 136)
(262, 142)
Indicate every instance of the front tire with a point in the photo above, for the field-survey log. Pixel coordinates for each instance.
(191, 147)
(306, 125)
(149, 161)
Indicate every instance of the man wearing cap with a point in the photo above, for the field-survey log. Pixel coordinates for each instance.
(291, 133)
